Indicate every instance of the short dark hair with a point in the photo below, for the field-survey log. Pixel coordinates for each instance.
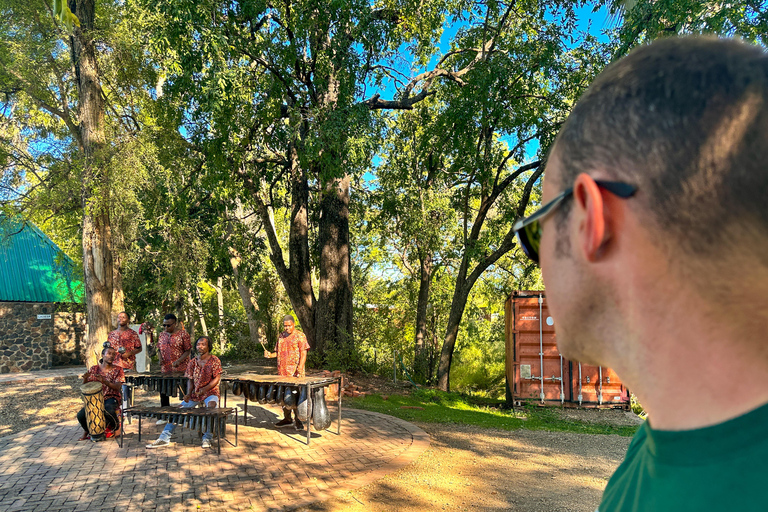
(170, 316)
(289, 318)
(686, 121)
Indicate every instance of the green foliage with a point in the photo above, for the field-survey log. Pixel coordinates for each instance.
(431, 406)
(479, 367)
(645, 20)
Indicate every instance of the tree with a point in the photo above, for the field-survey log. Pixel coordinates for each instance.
(281, 91)
(37, 79)
(646, 20)
(414, 212)
(475, 148)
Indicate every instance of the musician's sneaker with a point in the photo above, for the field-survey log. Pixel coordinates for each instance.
(160, 422)
(299, 425)
(159, 443)
(284, 422)
(206, 443)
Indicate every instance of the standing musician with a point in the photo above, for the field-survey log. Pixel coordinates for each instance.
(174, 346)
(111, 378)
(126, 341)
(203, 373)
(291, 354)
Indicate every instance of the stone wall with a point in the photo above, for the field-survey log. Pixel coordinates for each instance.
(68, 341)
(25, 340)
(29, 343)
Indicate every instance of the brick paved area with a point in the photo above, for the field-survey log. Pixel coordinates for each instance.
(46, 468)
(44, 375)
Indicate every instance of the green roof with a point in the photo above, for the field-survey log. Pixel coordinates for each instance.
(33, 268)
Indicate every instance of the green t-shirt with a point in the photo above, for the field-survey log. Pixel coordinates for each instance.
(723, 468)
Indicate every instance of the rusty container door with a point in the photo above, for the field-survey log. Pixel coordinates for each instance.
(531, 344)
(531, 348)
(597, 385)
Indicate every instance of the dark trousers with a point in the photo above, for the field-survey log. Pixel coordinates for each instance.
(165, 400)
(110, 414)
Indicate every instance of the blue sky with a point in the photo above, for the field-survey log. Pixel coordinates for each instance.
(593, 22)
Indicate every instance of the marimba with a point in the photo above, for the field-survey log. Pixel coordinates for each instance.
(305, 396)
(201, 419)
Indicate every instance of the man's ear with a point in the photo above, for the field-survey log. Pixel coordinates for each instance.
(589, 209)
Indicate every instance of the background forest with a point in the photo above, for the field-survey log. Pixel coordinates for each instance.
(357, 164)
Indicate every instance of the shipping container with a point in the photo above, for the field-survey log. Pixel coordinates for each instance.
(537, 372)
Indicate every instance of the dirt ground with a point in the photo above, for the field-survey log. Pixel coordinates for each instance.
(466, 468)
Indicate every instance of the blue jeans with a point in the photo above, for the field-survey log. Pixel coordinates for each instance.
(168, 430)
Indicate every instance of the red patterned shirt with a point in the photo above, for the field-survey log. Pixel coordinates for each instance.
(202, 373)
(289, 348)
(171, 347)
(128, 339)
(114, 375)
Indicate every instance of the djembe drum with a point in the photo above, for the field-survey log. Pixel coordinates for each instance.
(94, 409)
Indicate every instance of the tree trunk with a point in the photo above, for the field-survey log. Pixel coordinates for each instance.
(198, 307)
(458, 303)
(296, 278)
(421, 356)
(118, 296)
(220, 303)
(191, 324)
(333, 318)
(97, 234)
(247, 298)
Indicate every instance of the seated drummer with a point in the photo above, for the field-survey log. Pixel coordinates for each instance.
(203, 373)
(111, 377)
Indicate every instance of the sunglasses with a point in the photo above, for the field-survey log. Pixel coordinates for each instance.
(528, 230)
(168, 325)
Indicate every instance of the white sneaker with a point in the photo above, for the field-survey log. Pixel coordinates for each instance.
(159, 443)
(160, 422)
(206, 443)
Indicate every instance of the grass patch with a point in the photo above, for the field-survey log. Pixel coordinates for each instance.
(431, 406)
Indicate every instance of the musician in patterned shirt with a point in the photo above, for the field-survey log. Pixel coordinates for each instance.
(204, 373)
(291, 354)
(111, 378)
(126, 341)
(174, 346)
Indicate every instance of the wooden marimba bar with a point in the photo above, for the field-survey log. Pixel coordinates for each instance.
(169, 384)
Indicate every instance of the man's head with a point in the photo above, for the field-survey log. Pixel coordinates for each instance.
(169, 322)
(288, 324)
(203, 345)
(685, 122)
(123, 319)
(108, 355)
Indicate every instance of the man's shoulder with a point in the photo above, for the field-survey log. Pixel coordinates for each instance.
(714, 468)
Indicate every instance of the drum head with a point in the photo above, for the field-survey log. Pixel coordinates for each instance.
(89, 388)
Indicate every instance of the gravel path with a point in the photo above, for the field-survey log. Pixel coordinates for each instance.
(466, 468)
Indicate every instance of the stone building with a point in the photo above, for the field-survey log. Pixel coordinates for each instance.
(42, 319)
